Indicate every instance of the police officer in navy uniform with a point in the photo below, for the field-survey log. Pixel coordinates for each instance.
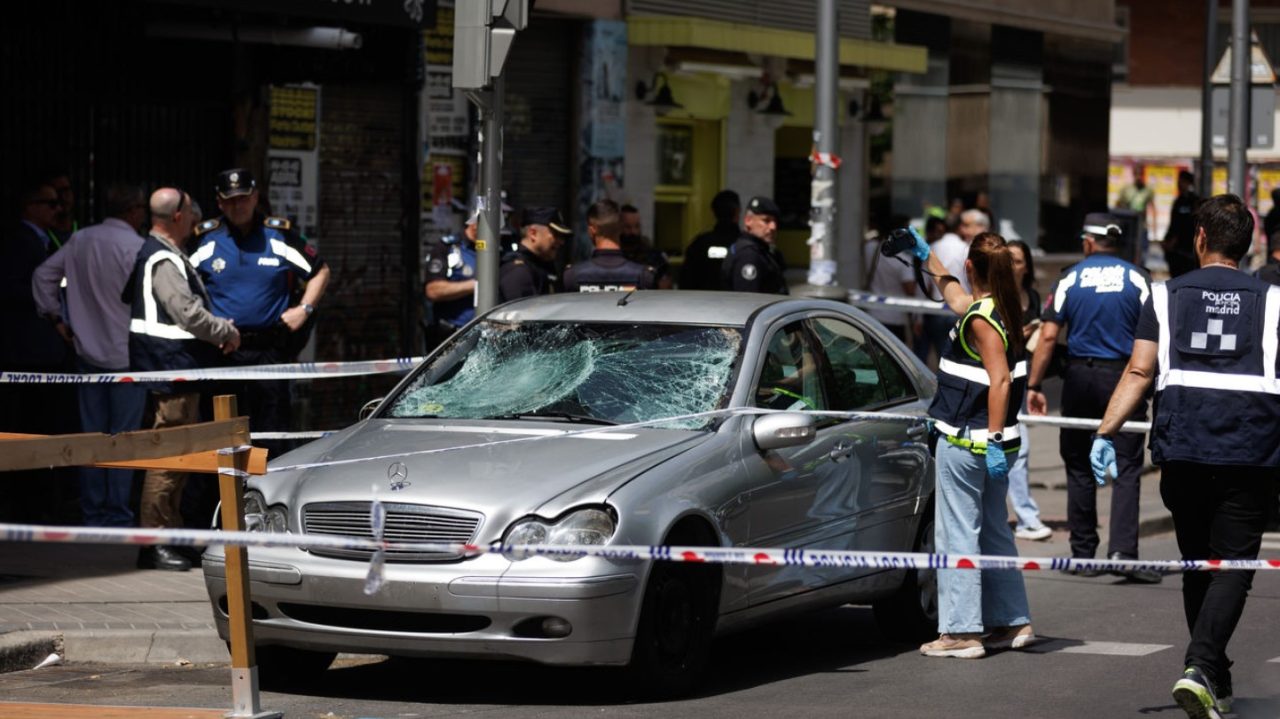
(531, 269)
(1209, 339)
(755, 264)
(705, 255)
(1098, 299)
(608, 269)
(250, 263)
(451, 281)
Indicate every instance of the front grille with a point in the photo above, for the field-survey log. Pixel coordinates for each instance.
(405, 523)
(380, 620)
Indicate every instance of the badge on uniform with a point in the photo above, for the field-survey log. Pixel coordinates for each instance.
(716, 252)
(749, 271)
(218, 264)
(1215, 322)
(435, 266)
(467, 271)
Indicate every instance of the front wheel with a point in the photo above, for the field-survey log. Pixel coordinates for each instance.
(911, 613)
(677, 621)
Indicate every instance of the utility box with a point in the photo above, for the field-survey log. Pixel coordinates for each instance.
(1261, 99)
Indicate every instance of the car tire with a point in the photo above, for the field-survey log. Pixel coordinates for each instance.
(287, 667)
(911, 612)
(677, 621)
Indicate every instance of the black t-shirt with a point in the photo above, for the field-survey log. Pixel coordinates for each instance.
(524, 275)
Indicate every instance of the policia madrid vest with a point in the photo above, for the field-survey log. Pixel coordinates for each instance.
(1217, 397)
(961, 401)
(155, 342)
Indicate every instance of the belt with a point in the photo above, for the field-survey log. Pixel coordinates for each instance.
(1098, 362)
(972, 445)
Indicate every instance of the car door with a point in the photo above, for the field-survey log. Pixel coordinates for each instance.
(891, 456)
(797, 494)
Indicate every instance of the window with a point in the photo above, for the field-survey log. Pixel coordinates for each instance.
(789, 378)
(862, 374)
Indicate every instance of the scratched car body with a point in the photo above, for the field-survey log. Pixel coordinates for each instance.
(496, 401)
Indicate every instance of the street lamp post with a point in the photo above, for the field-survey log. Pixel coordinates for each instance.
(823, 212)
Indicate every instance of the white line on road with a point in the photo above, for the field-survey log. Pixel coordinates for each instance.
(1274, 661)
(1115, 649)
(1275, 546)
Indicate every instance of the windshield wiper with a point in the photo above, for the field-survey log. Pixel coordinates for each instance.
(568, 416)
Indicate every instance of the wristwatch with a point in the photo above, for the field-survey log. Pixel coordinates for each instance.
(1035, 388)
(307, 308)
(996, 437)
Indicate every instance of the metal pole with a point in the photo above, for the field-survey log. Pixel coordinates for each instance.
(1206, 97)
(488, 248)
(826, 132)
(1238, 127)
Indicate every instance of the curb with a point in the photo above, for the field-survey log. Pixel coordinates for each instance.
(25, 649)
(22, 650)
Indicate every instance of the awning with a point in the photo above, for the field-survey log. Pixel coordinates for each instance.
(696, 32)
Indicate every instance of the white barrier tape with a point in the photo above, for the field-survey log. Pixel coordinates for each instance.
(298, 370)
(292, 435)
(233, 472)
(235, 450)
(710, 555)
(1081, 423)
(866, 299)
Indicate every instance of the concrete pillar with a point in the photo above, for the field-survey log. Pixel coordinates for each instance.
(1017, 112)
(853, 197)
(920, 117)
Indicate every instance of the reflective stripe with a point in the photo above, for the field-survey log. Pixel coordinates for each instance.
(977, 435)
(977, 375)
(1060, 296)
(156, 329)
(203, 253)
(1141, 283)
(293, 256)
(150, 323)
(1219, 381)
(1270, 321)
(985, 307)
(1160, 303)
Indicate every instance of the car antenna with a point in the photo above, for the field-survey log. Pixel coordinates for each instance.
(622, 302)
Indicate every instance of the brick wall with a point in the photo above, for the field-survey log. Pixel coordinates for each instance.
(1166, 39)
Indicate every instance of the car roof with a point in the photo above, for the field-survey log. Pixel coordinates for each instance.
(693, 307)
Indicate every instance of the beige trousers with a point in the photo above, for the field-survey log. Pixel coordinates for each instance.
(162, 488)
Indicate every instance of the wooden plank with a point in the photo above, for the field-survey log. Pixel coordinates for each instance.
(20, 710)
(199, 462)
(231, 492)
(74, 450)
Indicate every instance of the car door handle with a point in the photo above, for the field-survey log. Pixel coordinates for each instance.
(916, 431)
(840, 451)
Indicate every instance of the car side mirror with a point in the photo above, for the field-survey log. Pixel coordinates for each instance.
(369, 408)
(783, 429)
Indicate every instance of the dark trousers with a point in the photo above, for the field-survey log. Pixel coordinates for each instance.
(1219, 512)
(1086, 390)
(109, 408)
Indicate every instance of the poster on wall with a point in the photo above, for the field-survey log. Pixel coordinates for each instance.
(293, 155)
(446, 133)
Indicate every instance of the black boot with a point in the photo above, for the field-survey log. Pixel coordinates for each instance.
(161, 557)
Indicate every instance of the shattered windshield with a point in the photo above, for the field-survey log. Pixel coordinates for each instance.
(603, 373)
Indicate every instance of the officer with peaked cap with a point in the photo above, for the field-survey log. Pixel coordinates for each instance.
(1208, 339)
(531, 270)
(1099, 300)
(754, 263)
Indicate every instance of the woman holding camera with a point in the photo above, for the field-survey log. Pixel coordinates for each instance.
(981, 384)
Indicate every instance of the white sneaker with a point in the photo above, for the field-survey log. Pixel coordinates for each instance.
(1038, 534)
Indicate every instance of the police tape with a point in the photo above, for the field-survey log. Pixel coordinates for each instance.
(755, 556)
(866, 299)
(297, 370)
(1080, 423)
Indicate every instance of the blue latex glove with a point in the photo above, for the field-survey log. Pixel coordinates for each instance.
(997, 463)
(1103, 459)
(921, 249)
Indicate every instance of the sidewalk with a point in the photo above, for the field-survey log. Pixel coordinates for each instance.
(89, 604)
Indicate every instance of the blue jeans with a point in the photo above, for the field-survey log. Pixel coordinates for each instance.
(970, 518)
(1026, 509)
(109, 408)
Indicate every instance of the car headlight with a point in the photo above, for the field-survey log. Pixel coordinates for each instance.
(590, 526)
(259, 517)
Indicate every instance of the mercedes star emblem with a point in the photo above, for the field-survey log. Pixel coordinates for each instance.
(398, 473)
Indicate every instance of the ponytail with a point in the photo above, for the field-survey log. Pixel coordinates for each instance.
(993, 264)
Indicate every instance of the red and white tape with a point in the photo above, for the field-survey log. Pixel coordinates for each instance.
(296, 370)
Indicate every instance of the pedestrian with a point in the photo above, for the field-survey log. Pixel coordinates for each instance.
(641, 249)
(607, 270)
(1098, 299)
(172, 327)
(64, 222)
(707, 252)
(1139, 198)
(1270, 272)
(931, 330)
(981, 381)
(451, 281)
(889, 277)
(755, 264)
(1179, 253)
(96, 263)
(1208, 339)
(1271, 223)
(1029, 526)
(250, 263)
(531, 270)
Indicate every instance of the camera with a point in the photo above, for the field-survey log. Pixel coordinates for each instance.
(899, 240)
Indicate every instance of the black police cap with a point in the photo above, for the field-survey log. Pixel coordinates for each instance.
(233, 182)
(760, 205)
(548, 216)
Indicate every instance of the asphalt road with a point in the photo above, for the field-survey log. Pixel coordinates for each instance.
(1116, 651)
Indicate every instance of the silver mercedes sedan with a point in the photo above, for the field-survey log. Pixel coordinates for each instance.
(541, 369)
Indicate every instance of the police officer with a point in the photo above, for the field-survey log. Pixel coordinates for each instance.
(755, 264)
(703, 257)
(451, 281)
(639, 248)
(531, 270)
(1099, 300)
(607, 269)
(249, 263)
(1209, 340)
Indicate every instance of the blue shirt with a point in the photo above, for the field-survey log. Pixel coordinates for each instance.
(453, 260)
(1099, 299)
(249, 278)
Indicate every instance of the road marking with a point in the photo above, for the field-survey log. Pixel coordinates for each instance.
(1271, 540)
(1274, 661)
(1115, 649)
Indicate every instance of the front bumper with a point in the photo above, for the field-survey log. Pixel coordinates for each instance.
(484, 607)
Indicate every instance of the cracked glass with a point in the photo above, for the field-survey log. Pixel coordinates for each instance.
(595, 372)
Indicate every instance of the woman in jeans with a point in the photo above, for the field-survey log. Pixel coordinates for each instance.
(981, 384)
(1024, 507)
